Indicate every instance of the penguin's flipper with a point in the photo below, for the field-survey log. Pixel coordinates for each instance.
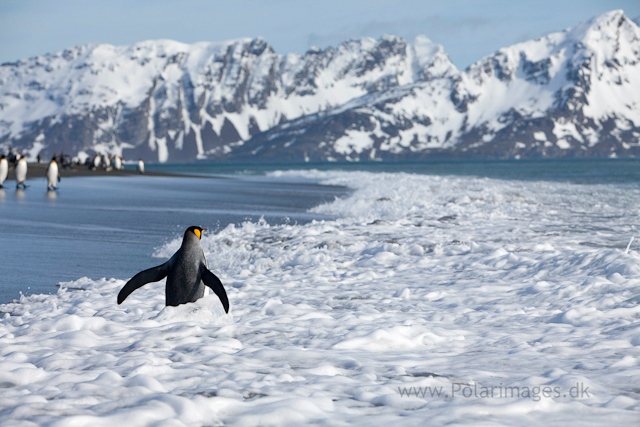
(210, 279)
(154, 274)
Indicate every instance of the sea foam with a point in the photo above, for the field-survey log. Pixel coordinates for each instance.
(424, 293)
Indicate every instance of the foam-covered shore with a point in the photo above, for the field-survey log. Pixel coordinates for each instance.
(425, 295)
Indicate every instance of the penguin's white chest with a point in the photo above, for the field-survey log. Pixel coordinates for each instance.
(21, 171)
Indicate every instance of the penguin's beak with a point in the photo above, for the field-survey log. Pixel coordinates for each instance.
(199, 232)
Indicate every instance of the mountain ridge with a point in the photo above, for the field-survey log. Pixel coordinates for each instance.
(567, 94)
(562, 95)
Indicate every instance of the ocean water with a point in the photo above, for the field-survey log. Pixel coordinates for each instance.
(479, 293)
(585, 171)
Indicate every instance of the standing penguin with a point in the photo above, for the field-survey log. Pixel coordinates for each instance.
(117, 163)
(186, 272)
(53, 174)
(140, 166)
(4, 169)
(106, 161)
(96, 161)
(21, 173)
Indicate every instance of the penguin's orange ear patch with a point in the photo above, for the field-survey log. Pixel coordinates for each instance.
(198, 232)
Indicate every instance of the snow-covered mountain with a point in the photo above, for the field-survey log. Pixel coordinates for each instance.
(164, 100)
(570, 94)
(574, 93)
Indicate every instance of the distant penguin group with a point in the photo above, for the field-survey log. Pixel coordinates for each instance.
(17, 162)
(186, 272)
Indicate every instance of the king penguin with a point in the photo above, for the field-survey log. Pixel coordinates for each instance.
(21, 173)
(140, 166)
(117, 163)
(186, 272)
(106, 161)
(53, 174)
(4, 169)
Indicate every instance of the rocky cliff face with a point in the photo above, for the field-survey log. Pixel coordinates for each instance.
(569, 94)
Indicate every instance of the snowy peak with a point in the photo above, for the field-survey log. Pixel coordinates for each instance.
(590, 70)
(370, 64)
(610, 40)
(610, 34)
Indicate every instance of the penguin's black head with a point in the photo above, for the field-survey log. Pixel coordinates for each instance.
(195, 230)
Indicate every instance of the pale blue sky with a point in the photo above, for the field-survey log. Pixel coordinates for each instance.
(467, 29)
